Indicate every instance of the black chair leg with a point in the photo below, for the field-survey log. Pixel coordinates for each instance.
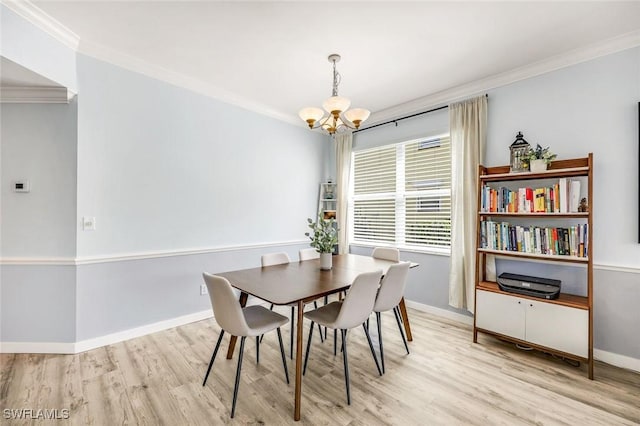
(326, 300)
(315, 305)
(345, 360)
(306, 355)
(373, 352)
(397, 314)
(284, 358)
(335, 343)
(237, 385)
(293, 316)
(380, 340)
(271, 309)
(213, 357)
(258, 349)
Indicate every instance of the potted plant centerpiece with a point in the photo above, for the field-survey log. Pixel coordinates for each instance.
(539, 158)
(323, 239)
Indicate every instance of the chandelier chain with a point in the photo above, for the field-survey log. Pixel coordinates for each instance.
(336, 79)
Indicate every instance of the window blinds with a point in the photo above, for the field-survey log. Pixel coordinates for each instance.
(402, 194)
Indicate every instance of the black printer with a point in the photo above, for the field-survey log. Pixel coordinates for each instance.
(544, 288)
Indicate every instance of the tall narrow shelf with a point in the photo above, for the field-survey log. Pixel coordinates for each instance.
(562, 326)
(328, 204)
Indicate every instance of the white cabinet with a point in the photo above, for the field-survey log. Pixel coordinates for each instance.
(544, 324)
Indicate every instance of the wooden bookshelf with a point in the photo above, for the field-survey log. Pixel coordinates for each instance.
(562, 326)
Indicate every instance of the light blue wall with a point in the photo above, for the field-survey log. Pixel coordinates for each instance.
(162, 168)
(38, 143)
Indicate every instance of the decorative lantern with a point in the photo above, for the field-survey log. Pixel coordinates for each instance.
(518, 150)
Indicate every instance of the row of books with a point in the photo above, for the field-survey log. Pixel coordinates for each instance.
(570, 241)
(563, 197)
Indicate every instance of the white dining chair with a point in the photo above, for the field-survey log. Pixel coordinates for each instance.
(308, 254)
(389, 295)
(281, 258)
(252, 321)
(386, 253)
(347, 314)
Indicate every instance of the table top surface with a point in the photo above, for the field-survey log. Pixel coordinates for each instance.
(303, 280)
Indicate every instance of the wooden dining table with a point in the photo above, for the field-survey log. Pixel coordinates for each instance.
(301, 283)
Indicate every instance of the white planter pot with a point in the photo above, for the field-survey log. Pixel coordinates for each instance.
(325, 261)
(537, 166)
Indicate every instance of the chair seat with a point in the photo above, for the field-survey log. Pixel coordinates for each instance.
(261, 320)
(325, 315)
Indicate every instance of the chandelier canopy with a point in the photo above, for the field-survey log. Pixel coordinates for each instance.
(340, 117)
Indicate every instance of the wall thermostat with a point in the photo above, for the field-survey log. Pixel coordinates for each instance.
(21, 186)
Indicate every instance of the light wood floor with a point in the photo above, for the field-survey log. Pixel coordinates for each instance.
(446, 380)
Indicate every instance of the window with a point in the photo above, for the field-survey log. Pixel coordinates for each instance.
(401, 194)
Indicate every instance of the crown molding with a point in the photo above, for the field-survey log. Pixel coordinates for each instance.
(45, 22)
(35, 95)
(478, 87)
(139, 66)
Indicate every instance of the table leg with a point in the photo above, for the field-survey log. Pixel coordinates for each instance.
(298, 390)
(232, 343)
(405, 320)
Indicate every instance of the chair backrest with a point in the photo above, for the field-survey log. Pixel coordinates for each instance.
(358, 304)
(387, 253)
(308, 254)
(392, 287)
(271, 259)
(226, 307)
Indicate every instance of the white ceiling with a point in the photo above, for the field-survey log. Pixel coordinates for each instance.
(272, 55)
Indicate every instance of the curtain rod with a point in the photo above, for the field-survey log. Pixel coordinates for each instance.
(405, 117)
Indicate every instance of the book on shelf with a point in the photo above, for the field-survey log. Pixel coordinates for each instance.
(561, 241)
(561, 197)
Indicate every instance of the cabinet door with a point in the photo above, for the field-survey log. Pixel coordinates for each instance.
(500, 313)
(558, 327)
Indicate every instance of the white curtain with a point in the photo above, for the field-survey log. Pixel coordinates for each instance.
(344, 143)
(468, 129)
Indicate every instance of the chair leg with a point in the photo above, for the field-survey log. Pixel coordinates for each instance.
(345, 361)
(380, 340)
(335, 343)
(258, 349)
(271, 309)
(315, 305)
(213, 357)
(373, 352)
(396, 311)
(237, 385)
(293, 316)
(284, 357)
(326, 300)
(306, 355)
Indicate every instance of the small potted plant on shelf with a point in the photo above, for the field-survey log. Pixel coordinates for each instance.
(539, 158)
(323, 238)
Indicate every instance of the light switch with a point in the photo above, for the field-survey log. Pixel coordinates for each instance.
(21, 186)
(88, 223)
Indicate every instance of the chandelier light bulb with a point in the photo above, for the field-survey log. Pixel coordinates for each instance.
(311, 115)
(336, 103)
(357, 116)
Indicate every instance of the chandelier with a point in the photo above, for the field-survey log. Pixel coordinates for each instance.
(340, 116)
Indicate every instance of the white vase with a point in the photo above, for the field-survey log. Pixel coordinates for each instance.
(325, 261)
(537, 166)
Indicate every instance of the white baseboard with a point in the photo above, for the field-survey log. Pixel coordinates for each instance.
(618, 360)
(611, 358)
(37, 348)
(109, 339)
(454, 316)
